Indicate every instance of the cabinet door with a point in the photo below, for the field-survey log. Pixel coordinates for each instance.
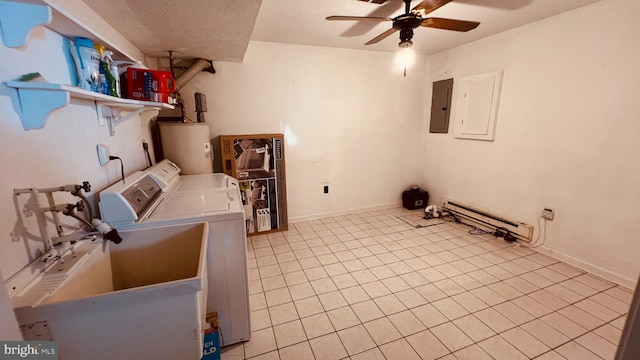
(477, 106)
(441, 106)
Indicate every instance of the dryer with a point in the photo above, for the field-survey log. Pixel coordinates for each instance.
(159, 196)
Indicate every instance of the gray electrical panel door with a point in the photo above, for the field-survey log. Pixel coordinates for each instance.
(441, 106)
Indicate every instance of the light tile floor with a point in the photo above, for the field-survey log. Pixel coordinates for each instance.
(373, 286)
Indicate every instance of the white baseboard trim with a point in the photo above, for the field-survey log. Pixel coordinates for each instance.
(344, 212)
(593, 269)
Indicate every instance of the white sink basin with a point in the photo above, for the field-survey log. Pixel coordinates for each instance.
(144, 298)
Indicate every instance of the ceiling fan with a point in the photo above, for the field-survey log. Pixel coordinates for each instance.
(413, 18)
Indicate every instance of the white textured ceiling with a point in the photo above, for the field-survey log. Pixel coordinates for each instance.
(209, 29)
(220, 30)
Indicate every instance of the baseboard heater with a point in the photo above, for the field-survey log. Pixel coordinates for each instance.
(483, 218)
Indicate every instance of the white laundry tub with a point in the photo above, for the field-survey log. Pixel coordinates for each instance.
(144, 298)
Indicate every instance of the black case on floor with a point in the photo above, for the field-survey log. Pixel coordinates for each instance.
(415, 199)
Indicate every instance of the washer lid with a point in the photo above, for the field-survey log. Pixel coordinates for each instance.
(206, 182)
(194, 203)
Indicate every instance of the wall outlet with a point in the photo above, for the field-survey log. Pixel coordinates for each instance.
(326, 189)
(103, 154)
(547, 213)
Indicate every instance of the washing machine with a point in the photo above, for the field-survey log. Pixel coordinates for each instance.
(161, 196)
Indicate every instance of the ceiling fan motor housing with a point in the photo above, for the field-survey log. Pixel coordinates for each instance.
(406, 23)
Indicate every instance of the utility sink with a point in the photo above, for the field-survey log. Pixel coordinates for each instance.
(144, 298)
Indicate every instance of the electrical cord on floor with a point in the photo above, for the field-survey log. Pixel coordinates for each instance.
(456, 219)
(478, 231)
(121, 165)
(417, 226)
(448, 216)
(444, 214)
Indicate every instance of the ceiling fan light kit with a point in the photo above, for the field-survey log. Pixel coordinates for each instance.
(405, 38)
(404, 59)
(412, 19)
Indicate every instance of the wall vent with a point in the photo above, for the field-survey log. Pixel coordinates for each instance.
(486, 219)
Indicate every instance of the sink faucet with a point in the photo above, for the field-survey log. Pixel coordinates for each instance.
(93, 227)
(107, 231)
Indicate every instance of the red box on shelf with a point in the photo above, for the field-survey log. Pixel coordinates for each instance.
(148, 85)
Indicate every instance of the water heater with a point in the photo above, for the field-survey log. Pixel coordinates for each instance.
(188, 145)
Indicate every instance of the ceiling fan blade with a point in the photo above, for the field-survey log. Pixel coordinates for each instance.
(450, 24)
(428, 6)
(359, 28)
(375, 1)
(381, 36)
(358, 18)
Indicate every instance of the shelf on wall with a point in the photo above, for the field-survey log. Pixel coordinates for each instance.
(69, 18)
(17, 19)
(37, 100)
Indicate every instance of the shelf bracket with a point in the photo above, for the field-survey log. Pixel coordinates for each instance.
(104, 112)
(111, 115)
(37, 100)
(35, 106)
(18, 19)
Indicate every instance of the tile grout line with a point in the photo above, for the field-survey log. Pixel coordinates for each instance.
(468, 243)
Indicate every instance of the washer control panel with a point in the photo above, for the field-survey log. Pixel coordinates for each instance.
(133, 200)
(141, 194)
(165, 173)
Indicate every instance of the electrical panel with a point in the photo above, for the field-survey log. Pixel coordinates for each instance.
(441, 106)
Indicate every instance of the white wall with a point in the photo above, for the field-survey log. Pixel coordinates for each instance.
(63, 152)
(352, 112)
(565, 139)
(9, 330)
(567, 134)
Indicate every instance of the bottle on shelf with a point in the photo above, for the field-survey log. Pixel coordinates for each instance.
(87, 60)
(107, 81)
(114, 79)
